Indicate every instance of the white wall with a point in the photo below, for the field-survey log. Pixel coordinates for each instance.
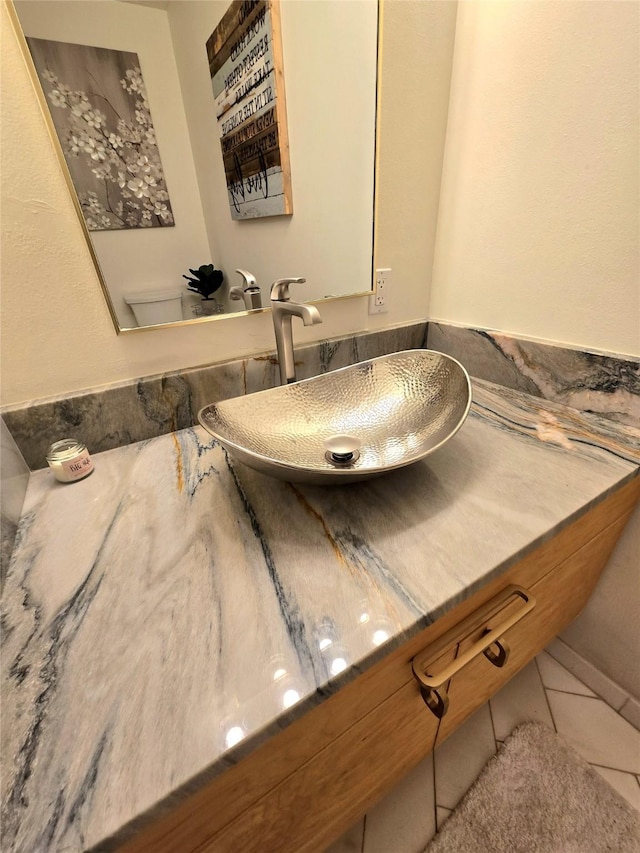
(538, 226)
(329, 57)
(417, 51)
(57, 335)
(141, 259)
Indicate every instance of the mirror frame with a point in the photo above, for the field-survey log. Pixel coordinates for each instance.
(57, 147)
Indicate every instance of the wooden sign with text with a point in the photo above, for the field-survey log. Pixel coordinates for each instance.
(245, 61)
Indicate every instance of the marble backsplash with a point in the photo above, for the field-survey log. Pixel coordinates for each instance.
(123, 413)
(607, 385)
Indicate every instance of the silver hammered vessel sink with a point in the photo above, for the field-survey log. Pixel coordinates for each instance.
(353, 423)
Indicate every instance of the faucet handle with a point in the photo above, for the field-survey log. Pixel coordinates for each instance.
(249, 280)
(280, 288)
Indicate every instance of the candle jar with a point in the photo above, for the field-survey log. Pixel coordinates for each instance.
(69, 460)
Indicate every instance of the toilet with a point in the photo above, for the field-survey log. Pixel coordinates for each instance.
(156, 306)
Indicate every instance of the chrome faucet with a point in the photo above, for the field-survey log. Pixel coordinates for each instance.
(283, 312)
(249, 292)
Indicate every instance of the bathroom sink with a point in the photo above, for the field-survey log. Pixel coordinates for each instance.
(351, 424)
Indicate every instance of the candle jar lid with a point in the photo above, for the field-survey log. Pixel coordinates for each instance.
(65, 449)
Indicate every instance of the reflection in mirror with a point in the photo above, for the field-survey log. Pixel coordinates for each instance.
(129, 89)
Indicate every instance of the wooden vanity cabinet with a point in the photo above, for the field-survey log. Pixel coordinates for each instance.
(304, 787)
(558, 598)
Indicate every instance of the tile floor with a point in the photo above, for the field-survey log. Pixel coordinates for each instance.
(546, 691)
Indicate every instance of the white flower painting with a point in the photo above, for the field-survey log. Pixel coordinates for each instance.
(98, 102)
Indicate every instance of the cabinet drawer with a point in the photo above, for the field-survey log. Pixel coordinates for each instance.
(384, 678)
(326, 795)
(554, 601)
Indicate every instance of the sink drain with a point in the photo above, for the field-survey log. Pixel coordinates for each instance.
(342, 450)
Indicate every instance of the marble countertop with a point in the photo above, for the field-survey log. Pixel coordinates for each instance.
(170, 612)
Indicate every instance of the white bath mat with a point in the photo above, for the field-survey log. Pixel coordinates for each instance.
(538, 796)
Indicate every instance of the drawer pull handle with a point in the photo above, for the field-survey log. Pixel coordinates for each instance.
(498, 653)
(437, 701)
(491, 645)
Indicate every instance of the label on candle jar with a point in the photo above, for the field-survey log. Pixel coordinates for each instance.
(78, 467)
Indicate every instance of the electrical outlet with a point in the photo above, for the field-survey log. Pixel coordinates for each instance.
(378, 299)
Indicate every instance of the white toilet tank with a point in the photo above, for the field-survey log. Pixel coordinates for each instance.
(156, 306)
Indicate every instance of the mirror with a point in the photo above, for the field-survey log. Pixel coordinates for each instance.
(130, 79)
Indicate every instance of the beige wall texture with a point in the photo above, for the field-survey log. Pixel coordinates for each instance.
(57, 335)
(538, 229)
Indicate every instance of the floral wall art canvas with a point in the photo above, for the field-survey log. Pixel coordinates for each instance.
(98, 102)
